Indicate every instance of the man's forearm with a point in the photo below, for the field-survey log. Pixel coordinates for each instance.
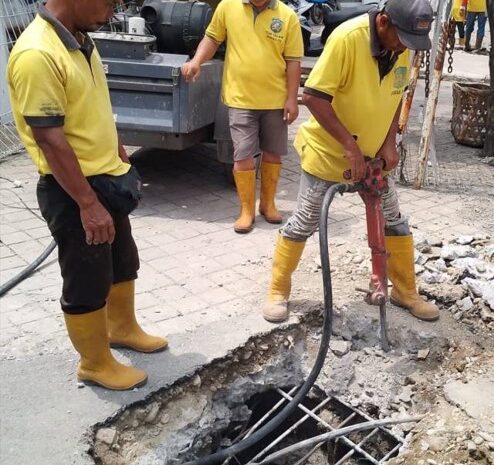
(293, 78)
(206, 50)
(64, 165)
(323, 112)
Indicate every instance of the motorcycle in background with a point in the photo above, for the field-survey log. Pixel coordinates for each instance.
(331, 19)
(312, 10)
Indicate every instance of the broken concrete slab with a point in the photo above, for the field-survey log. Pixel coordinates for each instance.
(464, 240)
(475, 267)
(483, 289)
(473, 397)
(443, 292)
(452, 252)
(340, 348)
(465, 304)
(107, 435)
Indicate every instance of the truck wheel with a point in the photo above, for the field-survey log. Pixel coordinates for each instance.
(317, 14)
(224, 151)
(228, 172)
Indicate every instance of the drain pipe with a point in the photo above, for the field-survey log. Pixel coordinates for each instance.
(323, 347)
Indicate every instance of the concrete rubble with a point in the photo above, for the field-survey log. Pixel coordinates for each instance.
(461, 278)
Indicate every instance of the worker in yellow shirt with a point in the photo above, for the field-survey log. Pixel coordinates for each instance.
(87, 187)
(459, 15)
(476, 11)
(354, 94)
(260, 85)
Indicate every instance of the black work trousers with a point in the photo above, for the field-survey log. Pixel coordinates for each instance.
(88, 271)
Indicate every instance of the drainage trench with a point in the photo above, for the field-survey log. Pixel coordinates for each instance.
(230, 398)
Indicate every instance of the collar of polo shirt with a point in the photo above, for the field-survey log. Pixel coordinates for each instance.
(271, 5)
(65, 35)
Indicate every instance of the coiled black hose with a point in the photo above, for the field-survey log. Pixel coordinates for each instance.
(323, 347)
(6, 287)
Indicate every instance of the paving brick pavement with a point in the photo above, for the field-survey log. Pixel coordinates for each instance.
(191, 260)
(196, 276)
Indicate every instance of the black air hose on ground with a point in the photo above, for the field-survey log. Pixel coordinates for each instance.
(275, 422)
(6, 287)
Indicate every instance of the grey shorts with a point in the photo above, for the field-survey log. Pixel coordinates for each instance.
(256, 131)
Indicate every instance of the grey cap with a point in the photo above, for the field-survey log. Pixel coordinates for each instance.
(412, 20)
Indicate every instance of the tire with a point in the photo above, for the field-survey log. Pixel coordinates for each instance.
(228, 172)
(317, 14)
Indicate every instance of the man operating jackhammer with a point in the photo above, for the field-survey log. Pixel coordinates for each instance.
(354, 94)
(86, 188)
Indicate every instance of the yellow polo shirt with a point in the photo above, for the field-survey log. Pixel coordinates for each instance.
(365, 104)
(455, 11)
(477, 6)
(54, 82)
(258, 46)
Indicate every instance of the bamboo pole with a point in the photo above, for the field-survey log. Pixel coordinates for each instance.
(408, 99)
(430, 110)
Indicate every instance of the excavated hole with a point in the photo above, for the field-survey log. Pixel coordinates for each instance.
(334, 412)
(208, 410)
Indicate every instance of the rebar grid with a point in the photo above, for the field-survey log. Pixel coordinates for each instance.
(358, 448)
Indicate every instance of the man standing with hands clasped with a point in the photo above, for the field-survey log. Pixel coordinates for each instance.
(260, 84)
(87, 187)
(354, 94)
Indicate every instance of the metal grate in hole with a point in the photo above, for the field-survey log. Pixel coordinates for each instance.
(328, 413)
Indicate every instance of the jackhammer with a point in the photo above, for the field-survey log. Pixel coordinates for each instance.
(371, 189)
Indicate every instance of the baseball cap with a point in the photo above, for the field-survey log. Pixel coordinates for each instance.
(412, 20)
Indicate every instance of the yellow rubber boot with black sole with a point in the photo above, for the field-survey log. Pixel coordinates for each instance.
(401, 273)
(270, 173)
(246, 190)
(123, 328)
(89, 336)
(285, 260)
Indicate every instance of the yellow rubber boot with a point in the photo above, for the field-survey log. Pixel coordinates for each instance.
(285, 260)
(246, 190)
(401, 272)
(270, 173)
(123, 329)
(88, 333)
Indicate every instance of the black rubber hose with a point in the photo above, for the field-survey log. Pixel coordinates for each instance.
(323, 347)
(4, 288)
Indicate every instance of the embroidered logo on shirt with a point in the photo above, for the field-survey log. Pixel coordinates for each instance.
(276, 25)
(400, 77)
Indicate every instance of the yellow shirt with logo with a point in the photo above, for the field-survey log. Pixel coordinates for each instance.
(364, 103)
(477, 6)
(258, 46)
(455, 11)
(48, 80)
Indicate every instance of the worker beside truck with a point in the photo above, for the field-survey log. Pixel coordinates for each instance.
(354, 94)
(260, 87)
(87, 187)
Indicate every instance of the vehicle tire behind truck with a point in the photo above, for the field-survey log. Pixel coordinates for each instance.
(224, 154)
